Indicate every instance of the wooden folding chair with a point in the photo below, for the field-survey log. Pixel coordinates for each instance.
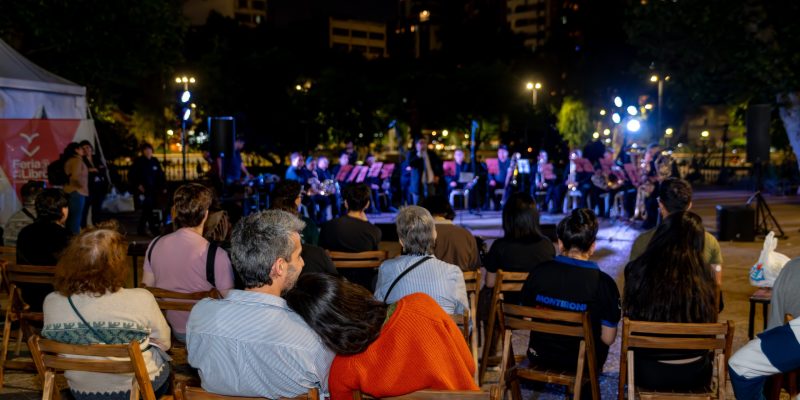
(19, 312)
(492, 394)
(716, 337)
(51, 357)
(169, 300)
(786, 380)
(556, 322)
(184, 392)
(505, 282)
(364, 259)
(472, 279)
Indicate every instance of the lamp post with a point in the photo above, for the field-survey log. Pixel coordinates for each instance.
(185, 97)
(534, 88)
(660, 82)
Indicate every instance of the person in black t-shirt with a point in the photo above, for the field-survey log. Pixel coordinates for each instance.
(523, 246)
(352, 232)
(42, 242)
(573, 283)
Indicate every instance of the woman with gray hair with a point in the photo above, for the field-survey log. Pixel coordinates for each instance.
(417, 270)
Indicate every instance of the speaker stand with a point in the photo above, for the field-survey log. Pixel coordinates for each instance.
(765, 221)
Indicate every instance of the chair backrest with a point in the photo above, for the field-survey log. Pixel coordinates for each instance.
(51, 357)
(674, 336)
(183, 392)
(169, 300)
(678, 336)
(463, 323)
(508, 281)
(364, 259)
(493, 394)
(16, 273)
(473, 281)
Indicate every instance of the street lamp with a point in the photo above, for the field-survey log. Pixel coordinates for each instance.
(186, 95)
(656, 79)
(616, 118)
(633, 125)
(618, 101)
(632, 110)
(534, 88)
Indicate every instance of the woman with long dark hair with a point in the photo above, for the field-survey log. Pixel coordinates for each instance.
(522, 246)
(670, 282)
(383, 350)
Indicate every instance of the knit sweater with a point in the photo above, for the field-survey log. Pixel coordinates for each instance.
(119, 317)
(419, 347)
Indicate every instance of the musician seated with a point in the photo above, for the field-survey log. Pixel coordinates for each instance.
(317, 206)
(545, 180)
(459, 177)
(377, 187)
(498, 179)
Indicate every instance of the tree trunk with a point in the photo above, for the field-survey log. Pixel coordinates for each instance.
(789, 109)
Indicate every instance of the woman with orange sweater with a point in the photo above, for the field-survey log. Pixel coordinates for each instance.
(382, 350)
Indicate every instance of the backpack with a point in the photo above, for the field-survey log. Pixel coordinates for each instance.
(56, 174)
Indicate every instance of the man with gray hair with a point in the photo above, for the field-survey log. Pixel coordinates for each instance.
(417, 270)
(250, 343)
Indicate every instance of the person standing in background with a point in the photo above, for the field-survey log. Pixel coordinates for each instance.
(77, 187)
(426, 171)
(147, 179)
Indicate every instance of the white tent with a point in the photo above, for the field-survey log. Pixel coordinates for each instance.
(40, 113)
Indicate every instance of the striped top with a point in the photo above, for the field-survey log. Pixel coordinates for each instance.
(774, 351)
(251, 344)
(442, 281)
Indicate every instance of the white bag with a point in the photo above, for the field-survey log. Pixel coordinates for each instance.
(769, 265)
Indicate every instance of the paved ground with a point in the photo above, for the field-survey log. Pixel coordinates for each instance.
(614, 241)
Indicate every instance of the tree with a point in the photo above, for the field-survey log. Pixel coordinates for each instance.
(725, 51)
(573, 122)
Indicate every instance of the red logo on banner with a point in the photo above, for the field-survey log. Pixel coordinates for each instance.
(30, 145)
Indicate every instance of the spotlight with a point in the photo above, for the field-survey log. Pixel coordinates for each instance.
(632, 110)
(633, 125)
(186, 96)
(616, 118)
(618, 101)
(187, 113)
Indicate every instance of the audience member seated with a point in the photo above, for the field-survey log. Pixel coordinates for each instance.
(522, 246)
(90, 306)
(675, 195)
(671, 282)
(42, 242)
(571, 282)
(417, 270)
(25, 216)
(785, 296)
(250, 343)
(383, 350)
(352, 232)
(774, 351)
(178, 261)
(286, 197)
(454, 244)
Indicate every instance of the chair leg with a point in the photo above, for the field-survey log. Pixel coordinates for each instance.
(4, 349)
(48, 386)
(791, 377)
(488, 342)
(578, 386)
(20, 334)
(631, 387)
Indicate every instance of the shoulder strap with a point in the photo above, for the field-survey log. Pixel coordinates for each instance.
(150, 252)
(28, 213)
(212, 254)
(91, 328)
(396, 280)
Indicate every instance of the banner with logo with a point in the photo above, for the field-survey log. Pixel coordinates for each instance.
(28, 147)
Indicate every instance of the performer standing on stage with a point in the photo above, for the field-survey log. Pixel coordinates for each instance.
(231, 172)
(426, 171)
(651, 201)
(545, 179)
(498, 180)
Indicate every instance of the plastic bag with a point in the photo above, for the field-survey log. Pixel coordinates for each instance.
(764, 272)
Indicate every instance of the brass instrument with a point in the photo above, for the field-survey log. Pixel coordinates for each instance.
(325, 188)
(511, 173)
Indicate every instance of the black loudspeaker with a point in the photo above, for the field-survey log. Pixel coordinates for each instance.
(736, 223)
(758, 118)
(222, 133)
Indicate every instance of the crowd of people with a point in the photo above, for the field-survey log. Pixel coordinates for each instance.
(285, 320)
